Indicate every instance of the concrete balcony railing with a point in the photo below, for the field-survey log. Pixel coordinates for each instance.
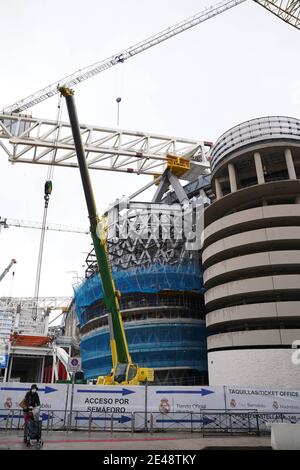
(257, 130)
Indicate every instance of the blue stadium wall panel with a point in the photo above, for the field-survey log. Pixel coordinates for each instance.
(157, 345)
(156, 278)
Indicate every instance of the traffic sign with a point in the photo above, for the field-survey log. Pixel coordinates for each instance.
(74, 364)
(3, 354)
(3, 360)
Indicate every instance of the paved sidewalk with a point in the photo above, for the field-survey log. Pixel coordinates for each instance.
(80, 440)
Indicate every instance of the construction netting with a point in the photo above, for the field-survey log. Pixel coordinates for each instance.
(151, 279)
(158, 345)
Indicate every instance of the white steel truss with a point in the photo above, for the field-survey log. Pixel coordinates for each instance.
(31, 302)
(33, 140)
(286, 10)
(6, 223)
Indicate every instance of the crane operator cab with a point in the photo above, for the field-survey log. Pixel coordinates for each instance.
(129, 374)
(125, 373)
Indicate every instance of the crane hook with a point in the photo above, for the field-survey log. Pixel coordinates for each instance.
(47, 192)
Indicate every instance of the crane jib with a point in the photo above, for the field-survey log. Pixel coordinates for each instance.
(286, 10)
(102, 65)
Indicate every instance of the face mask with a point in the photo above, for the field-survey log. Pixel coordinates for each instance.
(33, 390)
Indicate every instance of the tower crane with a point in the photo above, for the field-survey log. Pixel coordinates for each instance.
(120, 57)
(6, 270)
(287, 10)
(6, 223)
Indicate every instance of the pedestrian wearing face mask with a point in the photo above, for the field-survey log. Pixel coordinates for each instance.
(30, 401)
(32, 398)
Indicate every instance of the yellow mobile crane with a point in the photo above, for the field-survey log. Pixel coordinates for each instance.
(123, 370)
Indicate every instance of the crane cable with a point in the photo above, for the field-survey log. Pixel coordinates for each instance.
(47, 193)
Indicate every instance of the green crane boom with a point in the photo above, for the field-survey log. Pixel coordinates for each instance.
(119, 347)
(123, 370)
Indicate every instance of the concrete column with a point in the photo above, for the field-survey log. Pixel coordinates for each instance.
(53, 365)
(259, 168)
(219, 192)
(290, 164)
(46, 313)
(5, 373)
(42, 369)
(8, 361)
(10, 367)
(232, 177)
(17, 321)
(17, 317)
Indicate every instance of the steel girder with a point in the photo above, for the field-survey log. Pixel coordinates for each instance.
(41, 141)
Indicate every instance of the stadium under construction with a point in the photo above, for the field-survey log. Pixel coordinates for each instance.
(207, 274)
(251, 217)
(161, 301)
(193, 287)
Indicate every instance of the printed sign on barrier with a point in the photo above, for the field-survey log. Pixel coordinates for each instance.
(185, 399)
(52, 396)
(262, 399)
(105, 401)
(168, 407)
(181, 407)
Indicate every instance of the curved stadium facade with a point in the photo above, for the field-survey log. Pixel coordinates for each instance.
(251, 255)
(251, 274)
(162, 308)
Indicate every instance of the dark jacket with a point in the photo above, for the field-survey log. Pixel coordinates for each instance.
(31, 399)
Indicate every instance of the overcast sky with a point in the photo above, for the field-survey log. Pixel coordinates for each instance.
(237, 66)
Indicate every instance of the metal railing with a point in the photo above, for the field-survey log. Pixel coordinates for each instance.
(135, 303)
(208, 422)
